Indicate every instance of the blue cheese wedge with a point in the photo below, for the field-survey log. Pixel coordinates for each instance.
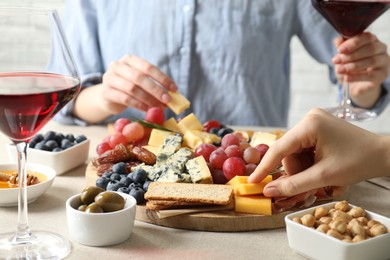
(199, 171)
(180, 158)
(170, 173)
(171, 145)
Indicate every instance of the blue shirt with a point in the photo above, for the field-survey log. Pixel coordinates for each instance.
(230, 58)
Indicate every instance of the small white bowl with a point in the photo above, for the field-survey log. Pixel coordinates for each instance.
(61, 162)
(100, 229)
(9, 196)
(314, 244)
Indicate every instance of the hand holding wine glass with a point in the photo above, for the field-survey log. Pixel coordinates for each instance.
(30, 95)
(350, 18)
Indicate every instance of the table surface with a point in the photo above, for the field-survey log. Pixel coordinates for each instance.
(149, 241)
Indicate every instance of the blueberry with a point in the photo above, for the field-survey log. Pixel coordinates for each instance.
(114, 185)
(126, 181)
(70, 137)
(80, 138)
(134, 186)
(145, 187)
(59, 137)
(51, 144)
(57, 149)
(41, 146)
(49, 136)
(102, 182)
(139, 176)
(37, 138)
(224, 131)
(65, 144)
(32, 144)
(115, 177)
(120, 167)
(138, 194)
(107, 175)
(124, 190)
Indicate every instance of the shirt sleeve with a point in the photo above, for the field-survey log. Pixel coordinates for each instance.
(80, 25)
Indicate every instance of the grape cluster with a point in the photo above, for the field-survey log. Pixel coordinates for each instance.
(233, 157)
(117, 179)
(54, 141)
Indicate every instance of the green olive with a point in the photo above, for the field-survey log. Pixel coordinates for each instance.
(82, 207)
(110, 201)
(89, 193)
(94, 208)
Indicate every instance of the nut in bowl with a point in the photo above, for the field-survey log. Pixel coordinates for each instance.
(100, 229)
(339, 230)
(68, 154)
(9, 193)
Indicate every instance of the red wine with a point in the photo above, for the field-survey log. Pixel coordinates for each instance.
(29, 100)
(350, 18)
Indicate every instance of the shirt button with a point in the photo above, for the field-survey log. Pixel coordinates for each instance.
(186, 8)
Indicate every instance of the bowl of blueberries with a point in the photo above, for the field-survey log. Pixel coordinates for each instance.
(62, 152)
(118, 179)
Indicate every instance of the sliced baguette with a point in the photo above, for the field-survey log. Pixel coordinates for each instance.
(189, 192)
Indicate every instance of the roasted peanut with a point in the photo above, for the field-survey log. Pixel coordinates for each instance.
(338, 225)
(324, 228)
(308, 220)
(378, 229)
(297, 220)
(357, 212)
(342, 205)
(320, 212)
(335, 234)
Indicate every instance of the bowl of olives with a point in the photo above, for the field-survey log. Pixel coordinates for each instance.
(100, 218)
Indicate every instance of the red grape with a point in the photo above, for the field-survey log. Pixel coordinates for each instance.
(244, 145)
(120, 123)
(218, 176)
(133, 132)
(251, 155)
(211, 124)
(102, 148)
(250, 168)
(155, 115)
(263, 148)
(205, 150)
(230, 139)
(116, 139)
(233, 166)
(217, 158)
(233, 151)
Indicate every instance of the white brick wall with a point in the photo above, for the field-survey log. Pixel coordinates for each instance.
(310, 82)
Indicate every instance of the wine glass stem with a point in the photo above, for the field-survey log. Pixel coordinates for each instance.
(23, 232)
(346, 100)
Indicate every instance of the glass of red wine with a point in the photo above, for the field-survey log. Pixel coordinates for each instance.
(38, 77)
(350, 18)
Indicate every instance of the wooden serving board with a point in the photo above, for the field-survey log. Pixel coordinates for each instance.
(221, 221)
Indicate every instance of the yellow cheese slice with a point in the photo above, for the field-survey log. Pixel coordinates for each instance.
(236, 180)
(249, 188)
(263, 138)
(171, 124)
(190, 122)
(178, 102)
(157, 137)
(193, 138)
(255, 204)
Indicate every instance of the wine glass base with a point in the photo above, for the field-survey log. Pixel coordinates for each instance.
(41, 245)
(352, 113)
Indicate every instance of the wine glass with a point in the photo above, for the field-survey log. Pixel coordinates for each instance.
(350, 18)
(37, 78)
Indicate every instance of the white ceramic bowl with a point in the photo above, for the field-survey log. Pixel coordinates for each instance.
(61, 162)
(9, 197)
(317, 245)
(100, 229)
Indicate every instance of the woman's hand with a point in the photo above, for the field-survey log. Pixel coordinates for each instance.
(321, 151)
(133, 82)
(364, 62)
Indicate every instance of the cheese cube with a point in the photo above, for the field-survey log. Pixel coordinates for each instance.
(263, 138)
(178, 102)
(193, 138)
(249, 188)
(158, 136)
(236, 180)
(199, 171)
(255, 204)
(171, 124)
(190, 122)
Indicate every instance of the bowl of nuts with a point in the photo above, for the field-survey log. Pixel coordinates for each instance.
(100, 218)
(339, 230)
(39, 180)
(62, 152)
